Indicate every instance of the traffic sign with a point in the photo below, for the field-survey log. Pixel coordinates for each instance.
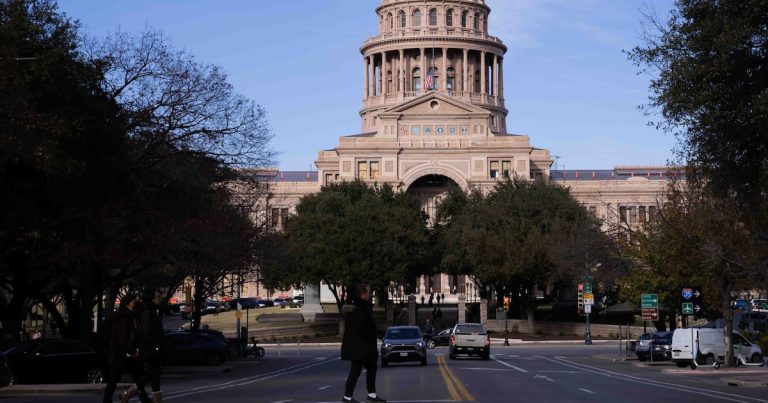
(587, 288)
(650, 314)
(649, 301)
(589, 299)
(693, 300)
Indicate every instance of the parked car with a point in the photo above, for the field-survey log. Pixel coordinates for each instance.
(195, 347)
(740, 304)
(403, 343)
(210, 332)
(440, 339)
(759, 305)
(280, 301)
(263, 303)
(661, 348)
(6, 376)
(56, 361)
(245, 303)
(214, 306)
(298, 300)
(643, 345)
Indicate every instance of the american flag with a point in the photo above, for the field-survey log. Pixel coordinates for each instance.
(428, 83)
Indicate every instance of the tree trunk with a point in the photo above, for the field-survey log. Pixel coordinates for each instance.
(197, 301)
(728, 318)
(530, 313)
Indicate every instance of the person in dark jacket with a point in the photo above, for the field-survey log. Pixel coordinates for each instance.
(122, 354)
(151, 334)
(359, 344)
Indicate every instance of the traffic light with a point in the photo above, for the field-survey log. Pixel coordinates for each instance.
(506, 303)
(580, 299)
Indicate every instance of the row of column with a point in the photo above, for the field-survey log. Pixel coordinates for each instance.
(497, 72)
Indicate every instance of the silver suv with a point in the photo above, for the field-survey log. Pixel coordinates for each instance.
(403, 343)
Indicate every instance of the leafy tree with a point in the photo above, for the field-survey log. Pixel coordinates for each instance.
(700, 239)
(711, 84)
(509, 237)
(347, 233)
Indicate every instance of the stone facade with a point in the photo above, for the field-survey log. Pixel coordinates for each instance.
(419, 137)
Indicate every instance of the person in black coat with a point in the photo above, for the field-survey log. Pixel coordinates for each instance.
(122, 354)
(359, 344)
(151, 341)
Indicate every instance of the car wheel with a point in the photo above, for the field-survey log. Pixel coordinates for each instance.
(384, 362)
(485, 356)
(642, 358)
(214, 359)
(430, 344)
(451, 355)
(424, 362)
(710, 360)
(756, 358)
(94, 375)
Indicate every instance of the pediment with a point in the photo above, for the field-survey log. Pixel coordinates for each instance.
(434, 103)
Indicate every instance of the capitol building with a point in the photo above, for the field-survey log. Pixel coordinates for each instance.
(433, 116)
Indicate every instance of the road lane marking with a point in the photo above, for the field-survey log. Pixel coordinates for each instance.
(659, 384)
(244, 381)
(537, 376)
(324, 387)
(586, 390)
(509, 365)
(453, 383)
(487, 369)
(283, 401)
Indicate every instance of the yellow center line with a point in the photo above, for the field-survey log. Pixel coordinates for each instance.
(453, 383)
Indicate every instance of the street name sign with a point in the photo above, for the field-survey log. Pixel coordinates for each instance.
(651, 314)
(649, 301)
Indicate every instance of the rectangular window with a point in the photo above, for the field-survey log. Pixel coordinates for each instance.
(506, 168)
(651, 213)
(633, 215)
(593, 210)
(643, 217)
(623, 214)
(538, 176)
(494, 169)
(362, 169)
(328, 179)
(283, 216)
(275, 217)
(374, 169)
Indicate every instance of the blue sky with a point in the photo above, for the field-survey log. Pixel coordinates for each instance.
(567, 83)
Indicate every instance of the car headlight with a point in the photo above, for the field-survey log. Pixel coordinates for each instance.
(387, 345)
(666, 346)
(420, 343)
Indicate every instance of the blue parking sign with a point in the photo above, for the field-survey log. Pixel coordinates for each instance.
(687, 293)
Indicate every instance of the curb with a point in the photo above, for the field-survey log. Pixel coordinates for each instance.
(747, 382)
(56, 390)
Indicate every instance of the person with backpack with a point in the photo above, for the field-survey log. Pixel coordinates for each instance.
(122, 354)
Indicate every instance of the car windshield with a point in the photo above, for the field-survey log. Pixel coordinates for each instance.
(402, 334)
(645, 336)
(470, 329)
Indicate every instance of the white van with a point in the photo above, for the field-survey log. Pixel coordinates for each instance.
(708, 346)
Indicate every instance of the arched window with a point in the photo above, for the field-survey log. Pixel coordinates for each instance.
(390, 21)
(416, 79)
(390, 89)
(464, 15)
(433, 17)
(403, 20)
(451, 77)
(476, 23)
(477, 81)
(449, 18)
(416, 19)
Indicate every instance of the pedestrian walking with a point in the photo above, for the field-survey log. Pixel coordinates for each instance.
(122, 354)
(359, 344)
(422, 299)
(150, 330)
(438, 299)
(430, 298)
(428, 327)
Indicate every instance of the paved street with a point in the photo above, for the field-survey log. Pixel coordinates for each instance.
(551, 373)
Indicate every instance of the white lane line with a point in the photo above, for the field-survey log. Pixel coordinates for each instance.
(543, 377)
(586, 390)
(560, 372)
(324, 387)
(486, 369)
(508, 365)
(244, 381)
(283, 401)
(629, 378)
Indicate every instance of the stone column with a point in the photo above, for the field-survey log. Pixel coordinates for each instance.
(311, 305)
(464, 73)
(462, 309)
(372, 76)
(423, 69)
(484, 311)
(445, 69)
(411, 310)
(383, 73)
(501, 78)
(482, 72)
(402, 71)
(495, 75)
(366, 88)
